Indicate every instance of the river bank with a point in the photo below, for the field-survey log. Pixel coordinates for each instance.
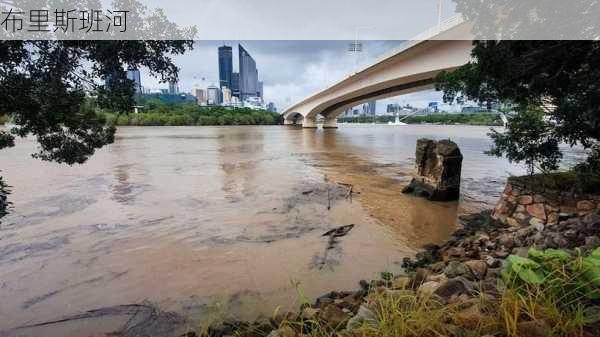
(480, 282)
(474, 284)
(487, 119)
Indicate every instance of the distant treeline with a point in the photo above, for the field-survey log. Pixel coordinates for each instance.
(492, 119)
(157, 113)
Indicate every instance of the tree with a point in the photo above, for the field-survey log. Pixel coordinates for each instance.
(528, 139)
(44, 84)
(560, 79)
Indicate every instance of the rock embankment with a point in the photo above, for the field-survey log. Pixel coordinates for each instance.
(523, 204)
(456, 274)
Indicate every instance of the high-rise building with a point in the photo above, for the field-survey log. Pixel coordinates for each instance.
(133, 74)
(226, 93)
(259, 90)
(200, 96)
(369, 108)
(393, 108)
(173, 88)
(235, 85)
(271, 107)
(225, 66)
(248, 84)
(213, 95)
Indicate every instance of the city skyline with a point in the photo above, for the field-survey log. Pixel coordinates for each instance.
(290, 70)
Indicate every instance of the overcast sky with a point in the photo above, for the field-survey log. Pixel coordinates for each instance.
(290, 70)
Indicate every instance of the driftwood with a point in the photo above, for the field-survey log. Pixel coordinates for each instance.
(339, 231)
(350, 191)
(325, 260)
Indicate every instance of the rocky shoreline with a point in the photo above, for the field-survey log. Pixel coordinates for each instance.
(457, 274)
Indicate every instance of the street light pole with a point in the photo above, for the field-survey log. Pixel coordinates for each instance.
(439, 15)
(356, 46)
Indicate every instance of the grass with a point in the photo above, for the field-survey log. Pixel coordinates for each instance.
(559, 306)
(407, 315)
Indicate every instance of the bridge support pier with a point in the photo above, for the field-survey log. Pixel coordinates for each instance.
(309, 123)
(330, 123)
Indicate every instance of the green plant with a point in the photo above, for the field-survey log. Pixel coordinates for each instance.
(555, 288)
(528, 139)
(566, 276)
(557, 77)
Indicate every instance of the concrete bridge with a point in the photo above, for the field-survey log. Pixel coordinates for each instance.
(410, 68)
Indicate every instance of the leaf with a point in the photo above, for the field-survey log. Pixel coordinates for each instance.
(531, 276)
(526, 269)
(549, 254)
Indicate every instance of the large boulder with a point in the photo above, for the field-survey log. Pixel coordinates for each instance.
(438, 166)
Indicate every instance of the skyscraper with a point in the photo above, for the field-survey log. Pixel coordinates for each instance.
(173, 88)
(271, 107)
(134, 75)
(225, 67)
(213, 95)
(235, 85)
(248, 74)
(200, 96)
(369, 108)
(259, 91)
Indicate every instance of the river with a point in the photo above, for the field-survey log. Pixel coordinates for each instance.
(185, 217)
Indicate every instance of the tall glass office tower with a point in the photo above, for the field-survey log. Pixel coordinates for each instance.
(225, 66)
(134, 75)
(235, 84)
(248, 74)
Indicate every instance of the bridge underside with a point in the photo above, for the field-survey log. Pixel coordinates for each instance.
(331, 112)
(410, 70)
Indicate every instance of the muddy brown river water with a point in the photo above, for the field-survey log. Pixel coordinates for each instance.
(186, 217)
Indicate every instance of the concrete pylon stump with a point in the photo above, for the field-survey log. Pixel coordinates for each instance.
(438, 165)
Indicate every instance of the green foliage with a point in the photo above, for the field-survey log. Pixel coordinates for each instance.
(591, 166)
(524, 269)
(43, 85)
(573, 279)
(562, 181)
(558, 77)
(176, 114)
(492, 119)
(528, 138)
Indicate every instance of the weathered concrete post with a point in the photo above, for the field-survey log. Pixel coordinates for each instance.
(438, 166)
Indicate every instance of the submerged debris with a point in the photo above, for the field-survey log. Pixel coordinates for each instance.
(140, 320)
(325, 260)
(339, 231)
